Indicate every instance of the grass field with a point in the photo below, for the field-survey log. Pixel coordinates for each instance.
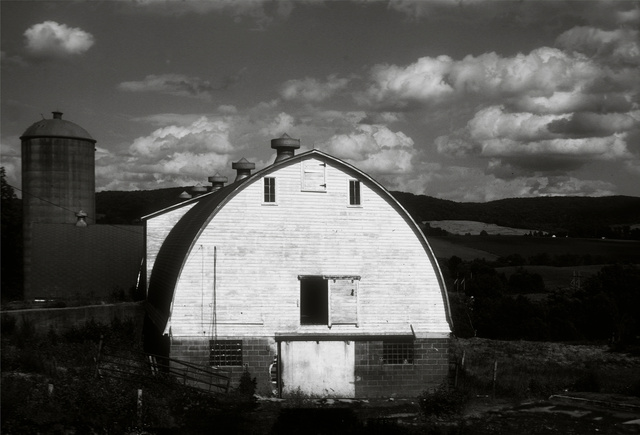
(530, 369)
(475, 228)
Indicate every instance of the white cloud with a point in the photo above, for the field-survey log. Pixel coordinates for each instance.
(172, 84)
(374, 149)
(172, 155)
(283, 123)
(619, 45)
(53, 40)
(488, 77)
(525, 141)
(312, 90)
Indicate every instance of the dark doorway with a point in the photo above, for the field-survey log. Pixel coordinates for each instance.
(314, 301)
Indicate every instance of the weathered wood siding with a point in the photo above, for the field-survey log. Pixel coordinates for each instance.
(157, 229)
(244, 267)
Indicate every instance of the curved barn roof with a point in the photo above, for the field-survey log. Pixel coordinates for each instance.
(176, 247)
(56, 127)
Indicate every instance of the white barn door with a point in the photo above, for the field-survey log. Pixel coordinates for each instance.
(318, 368)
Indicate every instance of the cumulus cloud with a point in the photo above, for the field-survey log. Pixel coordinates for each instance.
(53, 40)
(374, 148)
(172, 84)
(312, 90)
(172, 155)
(619, 45)
(488, 77)
(517, 142)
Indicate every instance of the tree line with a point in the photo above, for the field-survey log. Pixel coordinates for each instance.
(606, 306)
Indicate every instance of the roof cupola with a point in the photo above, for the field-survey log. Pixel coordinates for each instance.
(244, 167)
(217, 182)
(285, 147)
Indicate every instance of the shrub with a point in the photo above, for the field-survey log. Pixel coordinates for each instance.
(442, 402)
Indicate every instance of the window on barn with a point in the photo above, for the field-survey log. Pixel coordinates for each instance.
(397, 352)
(269, 190)
(314, 301)
(225, 353)
(328, 300)
(354, 192)
(314, 176)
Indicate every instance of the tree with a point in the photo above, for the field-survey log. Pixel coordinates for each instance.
(11, 216)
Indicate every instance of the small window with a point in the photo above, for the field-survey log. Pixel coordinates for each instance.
(225, 353)
(354, 192)
(314, 301)
(397, 352)
(269, 189)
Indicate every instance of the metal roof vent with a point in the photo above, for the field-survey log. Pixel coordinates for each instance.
(285, 147)
(184, 195)
(198, 190)
(244, 167)
(217, 182)
(82, 216)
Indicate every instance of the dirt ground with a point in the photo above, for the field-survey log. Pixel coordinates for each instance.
(593, 414)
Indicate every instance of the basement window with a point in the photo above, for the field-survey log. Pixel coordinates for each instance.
(225, 353)
(269, 190)
(354, 193)
(397, 352)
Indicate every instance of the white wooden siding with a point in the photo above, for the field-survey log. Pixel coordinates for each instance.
(261, 250)
(157, 230)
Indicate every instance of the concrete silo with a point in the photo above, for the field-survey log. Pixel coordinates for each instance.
(58, 179)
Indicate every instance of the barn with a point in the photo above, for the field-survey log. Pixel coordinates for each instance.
(307, 273)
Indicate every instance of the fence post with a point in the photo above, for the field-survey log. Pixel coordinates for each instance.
(139, 408)
(495, 376)
(97, 358)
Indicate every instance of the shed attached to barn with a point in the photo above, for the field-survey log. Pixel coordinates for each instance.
(308, 274)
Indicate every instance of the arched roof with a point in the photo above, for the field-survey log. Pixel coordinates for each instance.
(176, 247)
(56, 127)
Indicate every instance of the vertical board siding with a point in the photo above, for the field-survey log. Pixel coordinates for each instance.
(261, 250)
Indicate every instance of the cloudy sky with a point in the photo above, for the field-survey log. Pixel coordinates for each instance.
(463, 100)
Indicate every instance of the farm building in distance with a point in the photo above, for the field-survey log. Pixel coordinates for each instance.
(307, 273)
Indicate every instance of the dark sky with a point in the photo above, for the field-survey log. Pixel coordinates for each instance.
(462, 100)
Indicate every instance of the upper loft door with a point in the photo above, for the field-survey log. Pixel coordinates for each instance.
(314, 176)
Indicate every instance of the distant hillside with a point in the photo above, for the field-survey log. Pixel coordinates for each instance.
(575, 216)
(127, 207)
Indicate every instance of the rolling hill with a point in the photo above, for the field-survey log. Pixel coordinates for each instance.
(573, 216)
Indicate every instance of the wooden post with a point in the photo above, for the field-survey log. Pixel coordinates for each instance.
(495, 376)
(97, 358)
(139, 408)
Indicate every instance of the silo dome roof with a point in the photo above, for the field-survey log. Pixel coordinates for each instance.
(56, 127)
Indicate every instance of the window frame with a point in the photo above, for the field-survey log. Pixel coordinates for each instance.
(351, 198)
(269, 191)
(234, 358)
(331, 309)
(395, 351)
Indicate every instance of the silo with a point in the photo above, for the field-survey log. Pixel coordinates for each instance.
(58, 178)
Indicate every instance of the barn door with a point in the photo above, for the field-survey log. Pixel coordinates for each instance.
(318, 368)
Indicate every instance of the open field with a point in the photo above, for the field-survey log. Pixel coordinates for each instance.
(491, 247)
(474, 228)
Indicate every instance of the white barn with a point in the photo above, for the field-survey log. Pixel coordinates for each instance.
(307, 273)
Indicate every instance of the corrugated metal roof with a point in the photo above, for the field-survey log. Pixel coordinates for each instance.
(176, 247)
